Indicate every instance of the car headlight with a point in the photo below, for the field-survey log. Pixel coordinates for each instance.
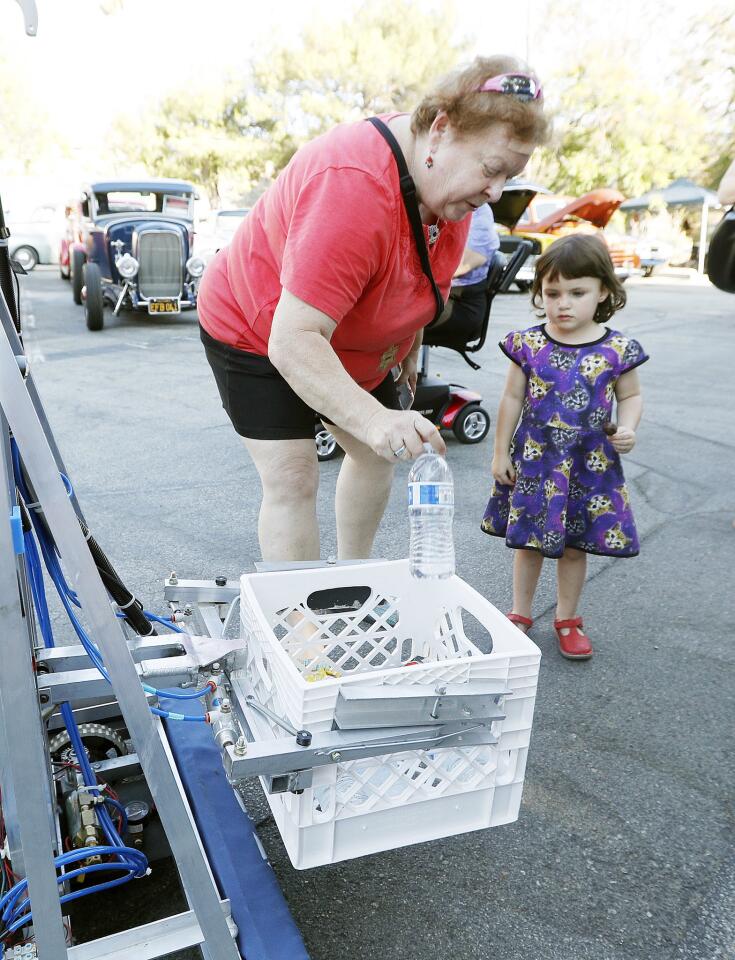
(127, 266)
(195, 266)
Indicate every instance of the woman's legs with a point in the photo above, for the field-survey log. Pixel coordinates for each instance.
(526, 571)
(363, 488)
(289, 474)
(570, 574)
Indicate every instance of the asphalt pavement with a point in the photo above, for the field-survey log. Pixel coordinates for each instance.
(624, 845)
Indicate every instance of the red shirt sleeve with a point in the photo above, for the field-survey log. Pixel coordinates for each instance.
(338, 238)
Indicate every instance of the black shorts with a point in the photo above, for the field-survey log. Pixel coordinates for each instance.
(260, 403)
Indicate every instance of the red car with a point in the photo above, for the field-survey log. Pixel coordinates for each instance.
(560, 215)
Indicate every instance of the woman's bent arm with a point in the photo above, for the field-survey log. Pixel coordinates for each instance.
(300, 350)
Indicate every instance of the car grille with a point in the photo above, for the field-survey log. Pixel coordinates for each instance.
(160, 254)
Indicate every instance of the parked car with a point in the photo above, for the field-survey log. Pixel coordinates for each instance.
(34, 236)
(133, 248)
(72, 235)
(507, 211)
(533, 213)
(222, 231)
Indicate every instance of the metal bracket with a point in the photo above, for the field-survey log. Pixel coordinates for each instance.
(282, 757)
(203, 651)
(199, 591)
(369, 706)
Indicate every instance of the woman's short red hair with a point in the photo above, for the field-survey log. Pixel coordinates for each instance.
(471, 111)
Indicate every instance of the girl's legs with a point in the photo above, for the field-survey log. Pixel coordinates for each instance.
(570, 574)
(289, 474)
(363, 488)
(526, 571)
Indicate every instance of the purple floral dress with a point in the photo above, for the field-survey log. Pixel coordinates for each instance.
(569, 489)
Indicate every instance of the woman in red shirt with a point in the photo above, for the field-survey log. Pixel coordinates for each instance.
(322, 292)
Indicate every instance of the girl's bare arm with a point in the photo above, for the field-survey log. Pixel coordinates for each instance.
(509, 412)
(630, 408)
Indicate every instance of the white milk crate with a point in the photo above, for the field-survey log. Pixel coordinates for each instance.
(381, 618)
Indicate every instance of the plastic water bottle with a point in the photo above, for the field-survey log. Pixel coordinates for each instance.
(430, 511)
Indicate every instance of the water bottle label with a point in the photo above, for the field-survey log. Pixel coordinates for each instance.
(441, 494)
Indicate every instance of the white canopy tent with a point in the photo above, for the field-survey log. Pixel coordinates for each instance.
(681, 193)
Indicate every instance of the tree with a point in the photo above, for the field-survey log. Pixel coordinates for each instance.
(233, 139)
(707, 81)
(380, 61)
(610, 130)
(29, 142)
(620, 93)
(192, 136)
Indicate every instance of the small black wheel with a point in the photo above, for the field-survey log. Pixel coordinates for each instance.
(523, 285)
(471, 425)
(648, 271)
(94, 303)
(26, 256)
(326, 446)
(77, 262)
(100, 742)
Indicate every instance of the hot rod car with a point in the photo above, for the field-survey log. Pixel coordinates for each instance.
(134, 248)
(530, 212)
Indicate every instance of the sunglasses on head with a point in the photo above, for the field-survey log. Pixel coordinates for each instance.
(524, 86)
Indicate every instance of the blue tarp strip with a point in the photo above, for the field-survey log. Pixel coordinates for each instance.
(267, 929)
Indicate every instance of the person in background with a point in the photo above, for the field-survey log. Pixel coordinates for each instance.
(559, 490)
(321, 292)
(467, 301)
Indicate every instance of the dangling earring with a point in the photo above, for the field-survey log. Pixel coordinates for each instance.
(429, 161)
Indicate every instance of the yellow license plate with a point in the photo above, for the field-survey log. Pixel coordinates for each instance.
(164, 306)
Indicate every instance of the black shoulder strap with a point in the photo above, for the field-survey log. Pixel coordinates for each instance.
(408, 192)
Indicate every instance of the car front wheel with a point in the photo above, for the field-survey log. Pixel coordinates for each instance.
(27, 257)
(471, 425)
(94, 304)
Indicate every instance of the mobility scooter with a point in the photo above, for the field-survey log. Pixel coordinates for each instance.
(448, 405)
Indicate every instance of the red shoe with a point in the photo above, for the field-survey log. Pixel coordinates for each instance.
(574, 645)
(520, 621)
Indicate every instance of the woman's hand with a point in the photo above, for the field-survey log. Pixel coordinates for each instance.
(623, 440)
(409, 372)
(502, 469)
(401, 435)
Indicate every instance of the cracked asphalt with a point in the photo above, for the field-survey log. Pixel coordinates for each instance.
(624, 845)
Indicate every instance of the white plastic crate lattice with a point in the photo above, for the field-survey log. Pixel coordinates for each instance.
(371, 639)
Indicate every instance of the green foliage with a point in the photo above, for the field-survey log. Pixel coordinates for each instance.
(639, 94)
(380, 61)
(622, 117)
(29, 143)
(232, 139)
(708, 80)
(610, 130)
(194, 137)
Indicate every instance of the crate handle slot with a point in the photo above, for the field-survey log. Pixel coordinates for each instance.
(351, 598)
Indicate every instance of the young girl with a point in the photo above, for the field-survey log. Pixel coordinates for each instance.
(559, 489)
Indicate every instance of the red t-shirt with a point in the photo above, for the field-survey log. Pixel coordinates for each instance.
(333, 231)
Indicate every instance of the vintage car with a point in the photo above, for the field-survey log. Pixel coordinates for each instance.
(532, 213)
(218, 232)
(134, 248)
(34, 236)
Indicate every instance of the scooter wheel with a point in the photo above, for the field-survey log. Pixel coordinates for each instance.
(471, 424)
(326, 446)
